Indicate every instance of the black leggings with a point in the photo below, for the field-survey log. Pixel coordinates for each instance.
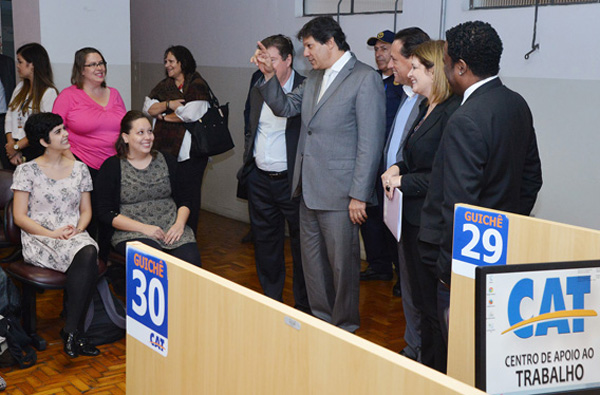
(187, 252)
(81, 283)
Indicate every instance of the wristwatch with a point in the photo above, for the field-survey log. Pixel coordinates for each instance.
(16, 146)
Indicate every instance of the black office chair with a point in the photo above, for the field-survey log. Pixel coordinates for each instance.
(6, 195)
(33, 279)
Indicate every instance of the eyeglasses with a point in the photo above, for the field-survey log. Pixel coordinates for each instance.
(95, 65)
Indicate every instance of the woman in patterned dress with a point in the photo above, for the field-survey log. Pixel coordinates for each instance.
(143, 196)
(52, 207)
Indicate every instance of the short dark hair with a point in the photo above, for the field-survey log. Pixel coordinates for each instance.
(38, 126)
(322, 28)
(411, 38)
(79, 64)
(184, 56)
(126, 124)
(282, 43)
(478, 44)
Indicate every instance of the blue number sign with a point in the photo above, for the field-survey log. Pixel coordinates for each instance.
(480, 238)
(147, 299)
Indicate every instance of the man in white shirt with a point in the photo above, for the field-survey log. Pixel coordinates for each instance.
(269, 154)
(342, 105)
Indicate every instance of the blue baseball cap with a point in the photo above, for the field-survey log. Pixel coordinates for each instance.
(385, 36)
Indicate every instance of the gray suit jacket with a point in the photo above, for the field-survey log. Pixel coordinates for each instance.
(409, 123)
(341, 136)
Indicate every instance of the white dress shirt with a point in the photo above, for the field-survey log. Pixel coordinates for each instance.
(333, 71)
(270, 151)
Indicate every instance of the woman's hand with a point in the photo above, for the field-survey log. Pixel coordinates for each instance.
(175, 104)
(17, 159)
(64, 232)
(389, 179)
(10, 146)
(153, 231)
(174, 233)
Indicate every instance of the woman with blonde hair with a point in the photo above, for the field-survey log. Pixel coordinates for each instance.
(34, 94)
(411, 176)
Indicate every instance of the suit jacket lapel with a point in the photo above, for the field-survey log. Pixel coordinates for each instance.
(386, 146)
(426, 125)
(344, 72)
(409, 124)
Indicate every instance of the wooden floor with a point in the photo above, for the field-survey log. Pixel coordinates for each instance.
(382, 320)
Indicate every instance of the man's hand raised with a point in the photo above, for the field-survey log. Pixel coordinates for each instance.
(262, 59)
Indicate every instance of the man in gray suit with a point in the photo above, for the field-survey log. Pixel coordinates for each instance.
(342, 106)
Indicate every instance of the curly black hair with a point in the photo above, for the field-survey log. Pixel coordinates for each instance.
(184, 56)
(478, 44)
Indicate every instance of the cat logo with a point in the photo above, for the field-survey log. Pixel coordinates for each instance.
(553, 312)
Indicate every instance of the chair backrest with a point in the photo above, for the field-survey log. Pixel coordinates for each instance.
(11, 230)
(6, 177)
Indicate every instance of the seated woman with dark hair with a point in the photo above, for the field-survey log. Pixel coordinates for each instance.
(52, 207)
(143, 196)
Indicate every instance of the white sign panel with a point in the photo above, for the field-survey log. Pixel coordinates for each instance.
(147, 300)
(542, 331)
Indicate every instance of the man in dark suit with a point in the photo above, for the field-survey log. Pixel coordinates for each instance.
(7, 86)
(342, 105)
(269, 155)
(488, 155)
(380, 245)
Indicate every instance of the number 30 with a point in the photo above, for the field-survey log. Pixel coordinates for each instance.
(148, 301)
(488, 235)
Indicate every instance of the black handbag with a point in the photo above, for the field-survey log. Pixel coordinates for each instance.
(210, 134)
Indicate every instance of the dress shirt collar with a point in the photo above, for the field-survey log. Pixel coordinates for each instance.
(474, 87)
(340, 63)
(408, 90)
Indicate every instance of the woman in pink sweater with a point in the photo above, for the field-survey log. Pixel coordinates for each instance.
(92, 114)
(92, 111)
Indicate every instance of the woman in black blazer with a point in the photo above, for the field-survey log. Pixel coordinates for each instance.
(411, 176)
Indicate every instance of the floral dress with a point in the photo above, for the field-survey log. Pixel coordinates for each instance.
(53, 204)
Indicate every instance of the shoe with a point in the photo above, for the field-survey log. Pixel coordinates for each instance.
(2, 384)
(397, 290)
(371, 275)
(71, 345)
(407, 354)
(86, 348)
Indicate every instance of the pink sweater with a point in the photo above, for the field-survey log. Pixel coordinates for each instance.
(93, 129)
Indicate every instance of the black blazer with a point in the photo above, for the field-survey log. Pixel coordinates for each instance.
(252, 110)
(418, 154)
(488, 157)
(7, 76)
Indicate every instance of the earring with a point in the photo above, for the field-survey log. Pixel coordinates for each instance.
(461, 72)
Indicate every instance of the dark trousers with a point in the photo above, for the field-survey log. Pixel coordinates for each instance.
(380, 246)
(187, 252)
(434, 347)
(193, 169)
(270, 206)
